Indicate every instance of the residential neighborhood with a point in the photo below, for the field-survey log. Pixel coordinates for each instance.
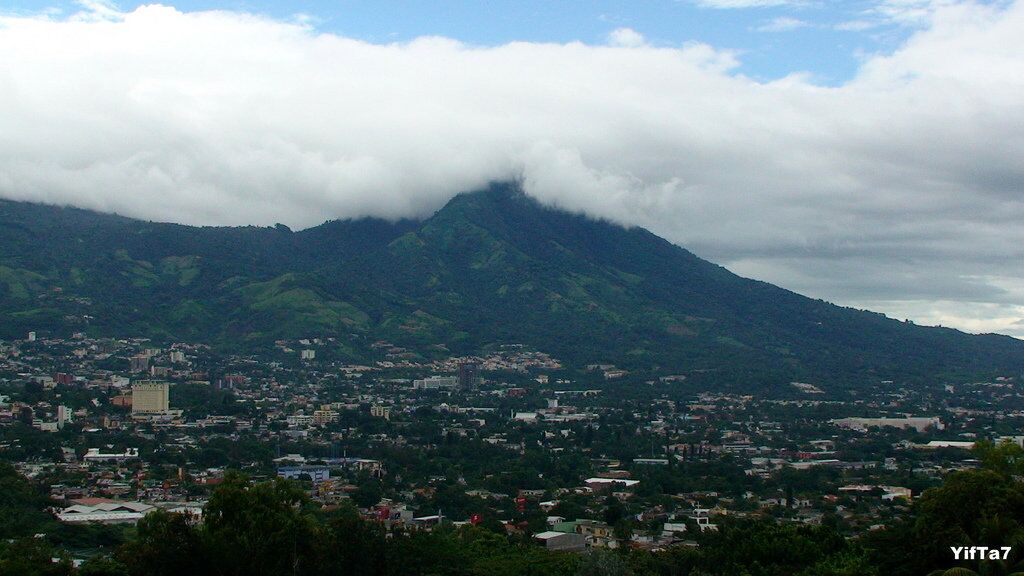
(508, 438)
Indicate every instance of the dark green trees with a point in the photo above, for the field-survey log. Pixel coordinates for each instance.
(972, 508)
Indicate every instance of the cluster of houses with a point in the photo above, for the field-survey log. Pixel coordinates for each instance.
(187, 403)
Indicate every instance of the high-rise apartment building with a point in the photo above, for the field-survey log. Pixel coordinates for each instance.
(149, 397)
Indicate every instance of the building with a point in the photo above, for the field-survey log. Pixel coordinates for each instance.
(702, 516)
(94, 455)
(673, 530)
(595, 534)
(139, 363)
(937, 444)
(524, 416)
(436, 383)
(380, 411)
(374, 467)
(469, 375)
(321, 417)
(307, 354)
(149, 397)
(1018, 440)
(317, 474)
(918, 423)
(895, 492)
(63, 416)
(45, 426)
(603, 485)
(107, 512)
(562, 541)
(299, 420)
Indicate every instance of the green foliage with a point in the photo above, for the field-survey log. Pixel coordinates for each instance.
(200, 400)
(1005, 458)
(368, 493)
(21, 507)
(32, 557)
(259, 529)
(763, 548)
(165, 544)
(971, 508)
(271, 528)
(103, 565)
(493, 266)
(351, 545)
(24, 512)
(604, 563)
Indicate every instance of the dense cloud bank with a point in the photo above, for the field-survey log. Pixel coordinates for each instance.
(900, 190)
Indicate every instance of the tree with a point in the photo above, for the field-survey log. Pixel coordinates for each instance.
(765, 548)
(614, 510)
(352, 546)
(1005, 458)
(165, 544)
(21, 507)
(102, 565)
(259, 529)
(604, 563)
(32, 557)
(368, 493)
(971, 508)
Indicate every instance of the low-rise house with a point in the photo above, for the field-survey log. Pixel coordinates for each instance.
(562, 541)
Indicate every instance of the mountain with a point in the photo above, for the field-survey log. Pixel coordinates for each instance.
(490, 267)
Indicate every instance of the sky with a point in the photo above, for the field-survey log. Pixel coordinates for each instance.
(776, 37)
(866, 153)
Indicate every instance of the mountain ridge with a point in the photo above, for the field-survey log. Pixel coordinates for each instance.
(491, 266)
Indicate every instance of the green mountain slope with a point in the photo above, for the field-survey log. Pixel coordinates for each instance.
(490, 267)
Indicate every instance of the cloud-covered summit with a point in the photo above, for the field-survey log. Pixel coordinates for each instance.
(900, 190)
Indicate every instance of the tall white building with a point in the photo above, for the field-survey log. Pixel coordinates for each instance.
(149, 397)
(63, 416)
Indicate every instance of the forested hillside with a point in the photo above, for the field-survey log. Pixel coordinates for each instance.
(490, 267)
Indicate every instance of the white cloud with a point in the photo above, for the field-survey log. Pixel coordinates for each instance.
(783, 24)
(979, 317)
(98, 10)
(732, 4)
(903, 185)
(855, 25)
(626, 38)
(911, 12)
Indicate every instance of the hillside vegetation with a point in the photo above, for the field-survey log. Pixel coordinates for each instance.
(492, 266)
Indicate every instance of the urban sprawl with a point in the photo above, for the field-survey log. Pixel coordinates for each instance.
(571, 457)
